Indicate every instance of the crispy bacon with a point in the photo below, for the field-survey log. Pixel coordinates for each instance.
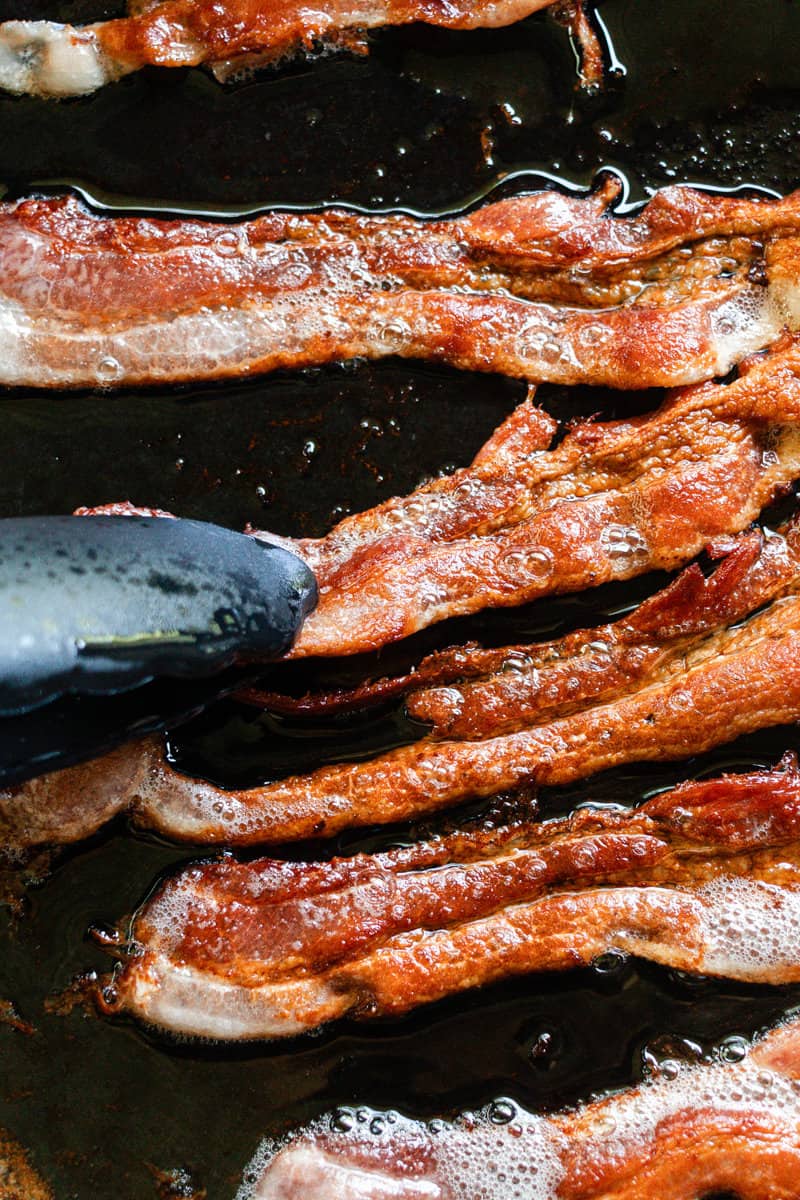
(735, 682)
(467, 691)
(611, 501)
(231, 36)
(720, 1127)
(233, 950)
(691, 669)
(543, 287)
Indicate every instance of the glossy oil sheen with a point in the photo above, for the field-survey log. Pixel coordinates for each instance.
(429, 122)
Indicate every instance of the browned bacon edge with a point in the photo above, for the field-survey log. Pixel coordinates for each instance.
(230, 950)
(233, 36)
(541, 287)
(694, 667)
(719, 1127)
(464, 691)
(611, 501)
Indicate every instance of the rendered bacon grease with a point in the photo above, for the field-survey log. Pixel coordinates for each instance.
(705, 878)
(611, 501)
(50, 59)
(694, 667)
(541, 287)
(731, 1127)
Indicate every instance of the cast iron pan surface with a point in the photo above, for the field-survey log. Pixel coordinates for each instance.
(432, 121)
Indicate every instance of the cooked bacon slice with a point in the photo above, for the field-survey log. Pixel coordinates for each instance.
(48, 59)
(467, 691)
(543, 287)
(685, 673)
(736, 682)
(611, 501)
(67, 806)
(730, 1128)
(227, 949)
(699, 693)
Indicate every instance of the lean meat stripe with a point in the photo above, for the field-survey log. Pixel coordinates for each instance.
(541, 287)
(237, 950)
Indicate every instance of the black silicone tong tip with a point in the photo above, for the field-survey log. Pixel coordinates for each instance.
(117, 625)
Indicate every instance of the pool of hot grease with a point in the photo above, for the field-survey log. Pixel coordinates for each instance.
(429, 122)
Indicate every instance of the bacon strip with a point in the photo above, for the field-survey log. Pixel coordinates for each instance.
(234, 950)
(685, 673)
(543, 287)
(730, 1128)
(465, 691)
(611, 501)
(48, 59)
(737, 683)
(710, 689)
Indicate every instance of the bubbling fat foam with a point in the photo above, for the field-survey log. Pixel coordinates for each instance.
(56, 346)
(750, 929)
(500, 1153)
(751, 320)
(381, 1156)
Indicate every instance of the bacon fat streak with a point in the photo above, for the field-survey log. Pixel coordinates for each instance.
(541, 287)
(263, 949)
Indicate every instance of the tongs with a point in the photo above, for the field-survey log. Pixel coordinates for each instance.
(111, 626)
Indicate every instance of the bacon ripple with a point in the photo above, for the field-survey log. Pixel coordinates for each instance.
(720, 1127)
(466, 691)
(696, 666)
(238, 950)
(611, 501)
(543, 287)
(49, 59)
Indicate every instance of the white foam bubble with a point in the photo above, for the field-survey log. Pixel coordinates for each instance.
(750, 929)
(523, 1158)
(379, 1156)
(747, 322)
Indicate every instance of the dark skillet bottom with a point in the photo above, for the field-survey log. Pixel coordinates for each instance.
(710, 95)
